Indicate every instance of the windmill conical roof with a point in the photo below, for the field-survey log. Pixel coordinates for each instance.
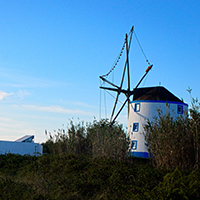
(154, 93)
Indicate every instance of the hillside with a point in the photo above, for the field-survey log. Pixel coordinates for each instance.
(80, 177)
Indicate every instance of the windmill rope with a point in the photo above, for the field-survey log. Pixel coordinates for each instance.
(113, 96)
(105, 104)
(141, 48)
(116, 60)
(100, 103)
(145, 79)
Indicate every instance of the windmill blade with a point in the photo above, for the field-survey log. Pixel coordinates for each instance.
(116, 100)
(146, 72)
(114, 89)
(119, 89)
(113, 111)
(127, 62)
(113, 121)
(122, 80)
(126, 66)
(128, 107)
(111, 89)
(103, 79)
(127, 53)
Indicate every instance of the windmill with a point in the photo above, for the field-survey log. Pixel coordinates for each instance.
(119, 89)
(144, 105)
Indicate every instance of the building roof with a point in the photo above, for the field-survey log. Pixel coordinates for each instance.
(154, 93)
(26, 138)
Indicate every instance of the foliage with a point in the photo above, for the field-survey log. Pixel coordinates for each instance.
(80, 177)
(11, 163)
(93, 139)
(10, 189)
(91, 162)
(178, 186)
(107, 140)
(175, 142)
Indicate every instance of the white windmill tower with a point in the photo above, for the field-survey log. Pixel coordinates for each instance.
(144, 105)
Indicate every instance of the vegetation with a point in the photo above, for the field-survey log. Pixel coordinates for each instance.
(80, 177)
(91, 162)
(175, 142)
(93, 139)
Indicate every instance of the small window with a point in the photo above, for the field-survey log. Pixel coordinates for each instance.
(134, 144)
(180, 109)
(137, 107)
(135, 127)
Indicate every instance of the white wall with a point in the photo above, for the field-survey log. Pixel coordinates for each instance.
(21, 148)
(142, 110)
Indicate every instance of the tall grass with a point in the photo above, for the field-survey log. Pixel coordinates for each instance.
(175, 142)
(99, 138)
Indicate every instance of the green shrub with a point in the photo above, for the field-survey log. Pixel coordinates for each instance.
(16, 190)
(177, 185)
(174, 142)
(70, 176)
(93, 139)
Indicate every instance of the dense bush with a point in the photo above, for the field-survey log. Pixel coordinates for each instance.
(93, 139)
(178, 185)
(175, 142)
(10, 189)
(79, 177)
(11, 163)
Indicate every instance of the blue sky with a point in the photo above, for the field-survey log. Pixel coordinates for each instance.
(52, 53)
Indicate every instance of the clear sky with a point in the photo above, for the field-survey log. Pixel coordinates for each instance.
(52, 53)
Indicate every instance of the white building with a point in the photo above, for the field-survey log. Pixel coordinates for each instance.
(145, 105)
(23, 146)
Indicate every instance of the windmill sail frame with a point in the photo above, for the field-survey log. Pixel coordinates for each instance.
(127, 92)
